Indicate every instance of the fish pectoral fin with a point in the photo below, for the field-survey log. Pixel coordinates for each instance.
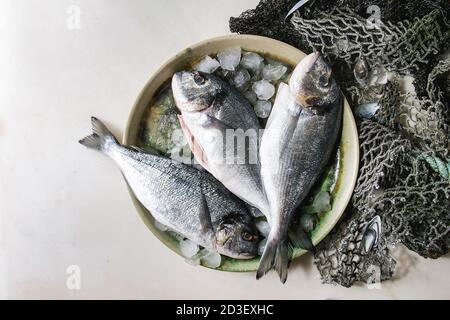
(213, 122)
(255, 212)
(205, 218)
(195, 147)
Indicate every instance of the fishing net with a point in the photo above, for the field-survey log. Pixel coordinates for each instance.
(404, 178)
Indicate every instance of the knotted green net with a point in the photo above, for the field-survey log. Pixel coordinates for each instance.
(404, 176)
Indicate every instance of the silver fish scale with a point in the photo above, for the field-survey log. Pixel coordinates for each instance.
(226, 110)
(230, 111)
(175, 200)
(314, 135)
(289, 154)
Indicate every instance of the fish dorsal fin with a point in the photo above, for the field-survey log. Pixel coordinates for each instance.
(148, 151)
(196, 148)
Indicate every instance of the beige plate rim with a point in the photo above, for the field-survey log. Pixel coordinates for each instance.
(349, 141)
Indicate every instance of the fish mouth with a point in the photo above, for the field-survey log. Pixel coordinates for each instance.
(309, 61)
(176, 80)
(178, 75)
(178, 93)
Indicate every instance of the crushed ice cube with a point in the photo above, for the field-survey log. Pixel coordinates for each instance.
(264, 89)
(273, 72)
(188, 248)
(193, 261)
(207, 65)
(252, 61)
(211, 258)
(263, 227)
(322, 202)
(178, 138)
(262, 108)
(308, 221)
(241, 78)
(160, 226)
(255, 212)
(262, 246)
(230, 58)
(176, 235)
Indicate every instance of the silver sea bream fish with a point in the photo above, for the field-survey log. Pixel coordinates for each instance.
(188, 201)
(300, 137)
(223, 132)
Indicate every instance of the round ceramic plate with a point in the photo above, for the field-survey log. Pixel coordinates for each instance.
(349, 146)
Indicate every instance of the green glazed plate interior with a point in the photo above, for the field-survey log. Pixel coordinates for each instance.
(348, 157)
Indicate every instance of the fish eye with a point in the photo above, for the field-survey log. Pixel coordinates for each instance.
(247, 236)
(198, 79)
(324, 80)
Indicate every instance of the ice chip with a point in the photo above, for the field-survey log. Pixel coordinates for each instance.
(264, 89)
(241, 78)
(178, 138)
(188, 248)
(193, 261)
(263, 227)
(211, 259)
(176, 235)
(160, 226)
(252, 61)
(207, 65)
(230, 58)
(262, 246)
(308, 221)
(273, 72)
(322, 202)
(262, 108)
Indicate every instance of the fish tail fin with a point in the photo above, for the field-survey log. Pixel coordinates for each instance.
(275, 255)
(101, 139)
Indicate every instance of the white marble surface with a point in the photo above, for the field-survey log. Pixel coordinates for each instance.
(62, 205)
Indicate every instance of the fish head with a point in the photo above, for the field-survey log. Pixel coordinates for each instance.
(194, 90)
(312, 82)
(237, 236)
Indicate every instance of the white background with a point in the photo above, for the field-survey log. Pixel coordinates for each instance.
(62, 205)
